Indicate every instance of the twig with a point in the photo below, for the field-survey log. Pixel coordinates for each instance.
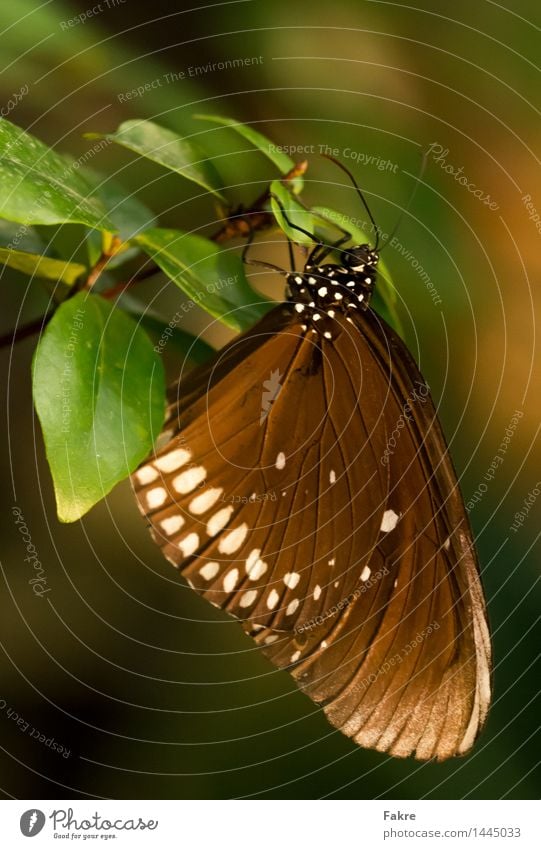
(119, 288)
(260, 219)
(105, 257)
(25, 330)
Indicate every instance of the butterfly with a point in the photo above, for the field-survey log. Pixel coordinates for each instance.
(302, 483)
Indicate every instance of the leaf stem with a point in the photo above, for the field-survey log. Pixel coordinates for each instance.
(105, 257)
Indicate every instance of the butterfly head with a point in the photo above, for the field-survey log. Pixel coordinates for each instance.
(360, 258)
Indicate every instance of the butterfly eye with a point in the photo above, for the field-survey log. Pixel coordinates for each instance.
(358, 257)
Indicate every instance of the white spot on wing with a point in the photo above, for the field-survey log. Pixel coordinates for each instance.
(332, 476)
(207, 499)
(271, 639)
(172, 461)
(233, 540)
(248, 598)
(317, 592)
(146, 475)
(272, 599)
(230, 580)
(219, 520)
(155, 497)
(255, 567)
(365, 574)
(171, 525)
(295, 656)
(189, 479)
(292, 606)
(209, 570)
(291, 579)
(388, 523)
(189, 544)
(280, 460)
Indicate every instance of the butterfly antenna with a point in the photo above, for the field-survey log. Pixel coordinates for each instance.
(359, 192)
(410, 201)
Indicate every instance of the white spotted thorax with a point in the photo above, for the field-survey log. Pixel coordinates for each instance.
(319, 291)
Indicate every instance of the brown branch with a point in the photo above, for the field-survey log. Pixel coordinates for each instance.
(149, 271)
(237, 224)
(100, 265)
(25, 330)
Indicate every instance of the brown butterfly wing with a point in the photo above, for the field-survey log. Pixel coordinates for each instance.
(350, 563)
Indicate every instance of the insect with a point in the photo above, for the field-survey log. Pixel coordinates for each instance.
(359, 575)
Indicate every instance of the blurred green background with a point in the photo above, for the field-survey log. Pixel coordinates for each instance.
(156, 694)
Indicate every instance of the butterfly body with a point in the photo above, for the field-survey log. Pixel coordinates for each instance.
(320, 290)
(329, 522)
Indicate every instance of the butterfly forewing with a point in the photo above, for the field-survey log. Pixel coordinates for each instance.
(332, 526)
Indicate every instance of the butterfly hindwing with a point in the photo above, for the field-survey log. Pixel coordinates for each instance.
(329, 521)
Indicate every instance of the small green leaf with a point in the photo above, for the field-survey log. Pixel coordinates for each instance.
(127, 213)
(283, 162)
(38, 186)
(212, 278)
(169, 149)
(42, 266)
(99, 392)
(296, 213)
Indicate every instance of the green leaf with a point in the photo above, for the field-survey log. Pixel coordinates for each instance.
(384, 298)
(99, 392)
(127, 213)
(20, 237)
(296, 213)
(166, 334)
(38, 186)
(283, 162)
(343, 222)
(213, 279)
(42, 266)
(169, 149)
(163, 334)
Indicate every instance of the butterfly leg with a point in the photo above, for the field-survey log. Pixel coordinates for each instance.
(257, 262)
(321, 251)
(293, 226)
